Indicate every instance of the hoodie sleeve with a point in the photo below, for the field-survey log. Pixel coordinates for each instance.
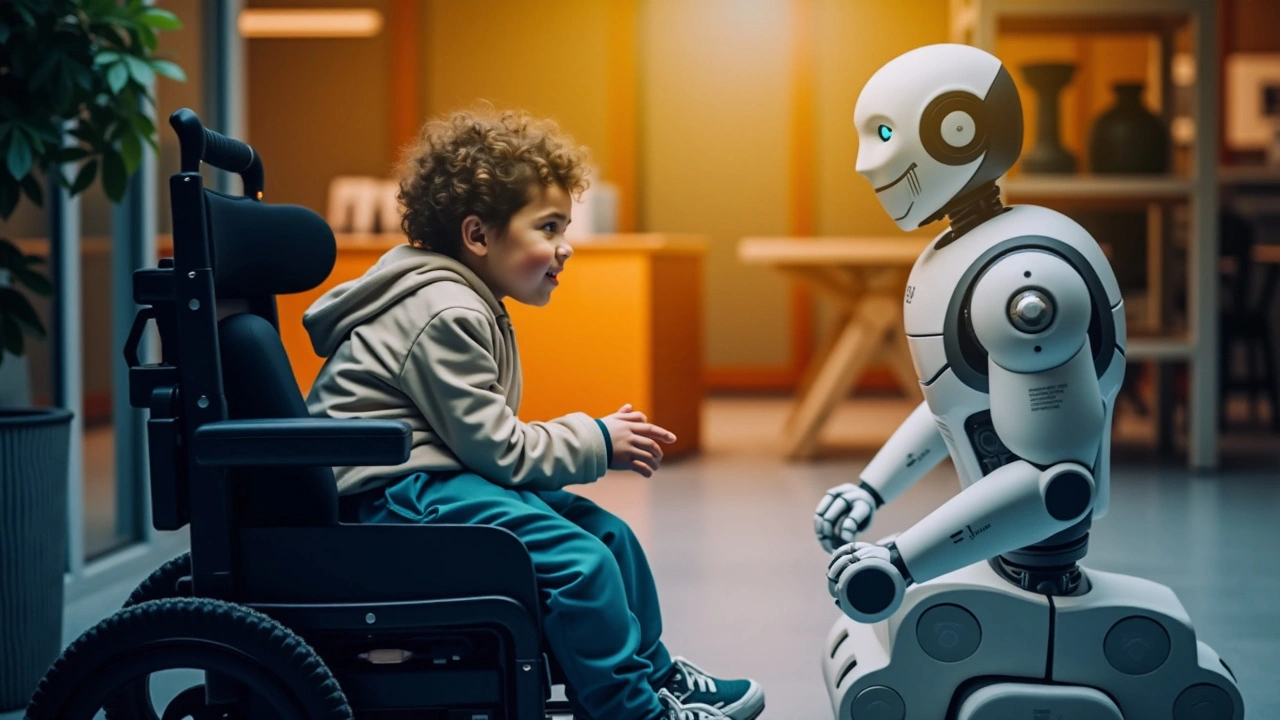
(451, 375)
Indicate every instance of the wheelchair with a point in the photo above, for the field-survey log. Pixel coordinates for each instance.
(289, 610)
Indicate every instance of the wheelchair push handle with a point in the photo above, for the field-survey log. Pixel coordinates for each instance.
(200, 144)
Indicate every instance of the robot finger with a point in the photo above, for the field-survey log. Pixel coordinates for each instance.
(825, 531)
(838, 566)
(834, 494)
(836, 511)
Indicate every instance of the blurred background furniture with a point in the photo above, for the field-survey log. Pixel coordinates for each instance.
(1250, 275)
(363, 204)
(1177, 193)
(865, 278)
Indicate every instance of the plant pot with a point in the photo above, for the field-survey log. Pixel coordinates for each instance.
(34, 444)
(1128, 138)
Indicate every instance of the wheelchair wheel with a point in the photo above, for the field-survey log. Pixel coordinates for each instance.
(162, 582)
(133, 701)
(264, 658)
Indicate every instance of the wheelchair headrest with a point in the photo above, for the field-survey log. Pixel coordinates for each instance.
(261, 249)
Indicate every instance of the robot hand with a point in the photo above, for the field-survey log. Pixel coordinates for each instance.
(842, 513)
(866, 584)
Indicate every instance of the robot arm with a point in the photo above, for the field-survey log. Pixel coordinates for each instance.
(914, 449)
(1030, 311)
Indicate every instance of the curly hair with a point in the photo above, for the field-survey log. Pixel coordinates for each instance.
(481, 162)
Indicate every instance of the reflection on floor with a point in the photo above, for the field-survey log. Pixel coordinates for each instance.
(729, 536)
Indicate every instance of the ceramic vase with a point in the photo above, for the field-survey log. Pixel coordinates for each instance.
(1048, 155)
(1129, 138)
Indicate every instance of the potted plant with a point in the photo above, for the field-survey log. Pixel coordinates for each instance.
(75, 88)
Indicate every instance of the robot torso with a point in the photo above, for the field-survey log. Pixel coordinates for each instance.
(953, 366)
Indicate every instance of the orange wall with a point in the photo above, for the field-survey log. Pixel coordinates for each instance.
(550, 58)
(318, 107)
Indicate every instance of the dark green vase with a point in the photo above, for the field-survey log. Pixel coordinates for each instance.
(1128, 138)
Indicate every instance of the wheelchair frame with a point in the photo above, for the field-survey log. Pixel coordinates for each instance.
(192, 445)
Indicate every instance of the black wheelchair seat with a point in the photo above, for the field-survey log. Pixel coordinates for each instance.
(289, 611)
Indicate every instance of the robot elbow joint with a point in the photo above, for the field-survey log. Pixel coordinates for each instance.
(1068, 491)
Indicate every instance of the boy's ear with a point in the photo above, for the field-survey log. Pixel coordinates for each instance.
(475, 236)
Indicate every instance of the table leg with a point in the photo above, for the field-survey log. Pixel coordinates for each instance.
(858, 342)
(819, 359)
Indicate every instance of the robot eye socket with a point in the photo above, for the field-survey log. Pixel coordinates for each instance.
(885, 132)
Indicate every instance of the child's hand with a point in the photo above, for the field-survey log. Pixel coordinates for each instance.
(635, 441)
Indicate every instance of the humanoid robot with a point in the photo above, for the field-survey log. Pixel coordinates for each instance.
(981, 611)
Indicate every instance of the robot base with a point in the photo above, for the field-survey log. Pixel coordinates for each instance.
(971, 646)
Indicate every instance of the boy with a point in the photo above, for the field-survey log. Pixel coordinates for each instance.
(424, 337)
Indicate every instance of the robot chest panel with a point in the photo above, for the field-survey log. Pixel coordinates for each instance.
(934, 281)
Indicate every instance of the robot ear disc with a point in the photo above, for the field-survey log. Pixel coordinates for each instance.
(953, 128)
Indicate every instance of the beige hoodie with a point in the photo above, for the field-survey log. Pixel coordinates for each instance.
(421, 338)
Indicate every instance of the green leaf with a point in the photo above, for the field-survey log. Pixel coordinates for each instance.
(10, 335)
(35, 281)
(114, 177)
(106, 58)
(148, 38)
(117, 76)
(19, 156)
(142, 73)
(159, 19)
(16, 306)
(10, 256)
(9, 196)
(131, 150)
(42, 74)
(70, 153)
(32, 187)
(84, 178)
(169, 69)
(143, 124)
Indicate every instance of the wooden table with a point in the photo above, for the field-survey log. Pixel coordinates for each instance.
(865, 277)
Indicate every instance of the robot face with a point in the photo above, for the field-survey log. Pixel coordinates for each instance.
(932, 124)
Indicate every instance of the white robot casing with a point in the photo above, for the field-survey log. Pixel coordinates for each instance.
(1017, 333)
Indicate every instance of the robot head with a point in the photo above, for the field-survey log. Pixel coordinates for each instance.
(933, 124)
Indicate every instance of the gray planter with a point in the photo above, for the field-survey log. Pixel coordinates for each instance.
(34, 444)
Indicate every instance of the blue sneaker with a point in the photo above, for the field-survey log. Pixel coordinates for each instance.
(694, 688)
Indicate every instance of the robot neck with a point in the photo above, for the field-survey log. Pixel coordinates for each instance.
(970, 210)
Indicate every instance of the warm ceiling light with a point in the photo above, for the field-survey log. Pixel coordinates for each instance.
(309, 23)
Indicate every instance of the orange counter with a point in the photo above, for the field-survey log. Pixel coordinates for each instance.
(625, 326)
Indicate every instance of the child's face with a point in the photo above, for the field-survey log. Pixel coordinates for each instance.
(523, 262)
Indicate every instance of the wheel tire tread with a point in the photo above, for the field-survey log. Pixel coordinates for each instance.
(248, 630)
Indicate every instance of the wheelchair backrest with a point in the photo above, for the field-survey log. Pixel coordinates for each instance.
(221, 354)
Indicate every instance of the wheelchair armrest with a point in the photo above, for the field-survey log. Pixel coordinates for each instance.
(302, 442)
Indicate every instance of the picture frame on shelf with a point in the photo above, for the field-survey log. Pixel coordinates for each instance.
(1250, 120)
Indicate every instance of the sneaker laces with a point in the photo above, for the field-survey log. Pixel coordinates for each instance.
(695, 678)
(676, 711)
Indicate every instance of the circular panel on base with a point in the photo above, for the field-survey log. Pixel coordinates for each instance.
(948, 633)
(878, 703)
(1136, 646)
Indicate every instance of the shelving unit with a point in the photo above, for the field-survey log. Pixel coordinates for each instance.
(981, 22)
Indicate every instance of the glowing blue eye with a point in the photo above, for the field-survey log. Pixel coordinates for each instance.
(885, 132)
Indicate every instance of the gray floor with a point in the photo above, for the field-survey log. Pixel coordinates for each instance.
(729, 536)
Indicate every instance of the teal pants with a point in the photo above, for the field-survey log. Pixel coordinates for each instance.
(600, 609)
